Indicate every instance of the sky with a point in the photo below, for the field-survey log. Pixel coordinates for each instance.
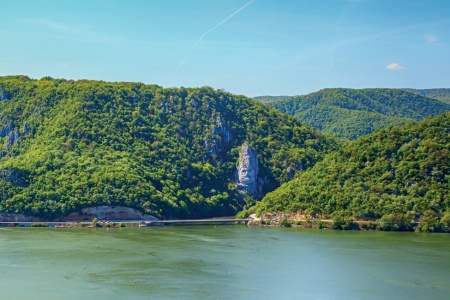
(249, 47)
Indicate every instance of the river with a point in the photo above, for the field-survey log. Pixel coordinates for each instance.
(222, 262)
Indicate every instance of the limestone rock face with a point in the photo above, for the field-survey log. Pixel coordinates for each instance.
(4, 131)
(291, 170)
(222, 131)
(247, 170)
(12, 138)
(107, 213)
(212, 145)
(4, 96)
(11, 217)
(26, 128)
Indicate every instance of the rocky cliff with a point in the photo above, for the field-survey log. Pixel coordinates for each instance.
(247, 170)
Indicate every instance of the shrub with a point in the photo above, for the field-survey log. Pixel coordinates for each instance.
(429, 222)
(244, 214)
(394, 222)
(285, 223)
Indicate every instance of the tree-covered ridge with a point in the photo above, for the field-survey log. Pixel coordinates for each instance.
(169, 152)
(267, 99)
(442, 95)
(399, 172)
(350, 113)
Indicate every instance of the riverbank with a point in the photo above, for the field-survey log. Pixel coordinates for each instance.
(386, 223)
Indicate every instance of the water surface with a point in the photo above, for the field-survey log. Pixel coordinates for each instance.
(223, 262)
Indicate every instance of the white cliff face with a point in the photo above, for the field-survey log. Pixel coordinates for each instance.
(248, 169)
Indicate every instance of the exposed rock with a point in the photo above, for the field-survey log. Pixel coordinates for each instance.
(4, 119)
(107, 213)
(8, 217)
(212, 145)
(26, 128)
(291, 170)
(411, 183)
(9, 174)
(4, 95)
(247, 170)
(110, 213)
(12, 138)
(164, 106)
(222, 131)
(4, 131)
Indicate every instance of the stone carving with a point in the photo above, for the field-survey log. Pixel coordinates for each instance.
(247, 170)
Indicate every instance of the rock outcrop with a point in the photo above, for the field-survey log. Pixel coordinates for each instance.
(13, 138)
(222, 131)
(212, 145)
(247, 170)
(4, 131)
(26, 128)
(291, 170)
(9, 217)
(4, 96)
(107, 213)
(218, 138)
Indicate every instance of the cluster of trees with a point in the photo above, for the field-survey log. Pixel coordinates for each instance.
(159, 150)
(351, 113)
(400, 175)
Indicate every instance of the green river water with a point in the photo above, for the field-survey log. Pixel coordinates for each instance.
(222, 262)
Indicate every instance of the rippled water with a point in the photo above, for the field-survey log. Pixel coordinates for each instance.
(223, 262)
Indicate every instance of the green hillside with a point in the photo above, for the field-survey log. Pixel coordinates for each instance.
(172, 153)
(400, 173)
(350, 113)
(442, 95)
(267, 99)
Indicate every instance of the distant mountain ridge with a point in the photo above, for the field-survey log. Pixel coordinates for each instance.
(350, 113)
(438, 94)
(267, 99)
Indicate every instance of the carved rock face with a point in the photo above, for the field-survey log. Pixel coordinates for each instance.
(248, 169)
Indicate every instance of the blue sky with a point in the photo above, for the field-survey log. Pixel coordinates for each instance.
(259, 47)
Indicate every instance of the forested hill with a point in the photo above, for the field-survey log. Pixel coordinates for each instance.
(442, 95)
(350, 113)
(267, 99)
(398, 173)
(171, 153)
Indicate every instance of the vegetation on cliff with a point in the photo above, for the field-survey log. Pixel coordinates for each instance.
(171, 153)
(398, 175)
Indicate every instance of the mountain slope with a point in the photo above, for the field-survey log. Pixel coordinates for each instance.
(350, 113)
(442, 95)
(171, 153)
(395, 171)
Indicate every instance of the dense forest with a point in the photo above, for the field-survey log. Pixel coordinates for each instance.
(351, 113)
(267, 99)
(399, 175)
(442, 95)
(171, 153)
